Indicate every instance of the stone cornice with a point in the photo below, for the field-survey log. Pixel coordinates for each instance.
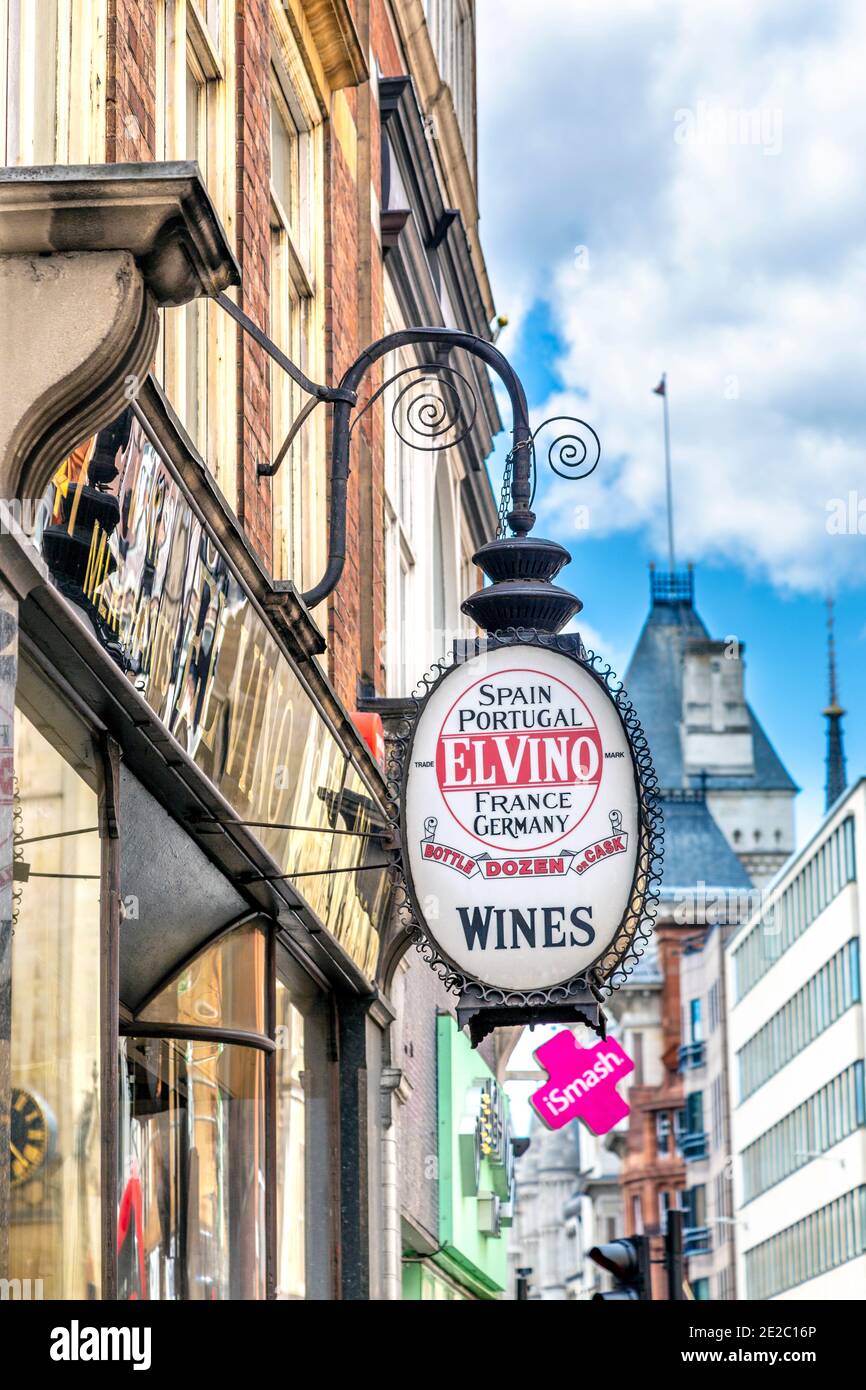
(162, 214)
(87, 255)
(436, 101)
(331, 28)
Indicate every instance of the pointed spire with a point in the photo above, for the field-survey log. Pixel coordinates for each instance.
(837, 776)
(662, 390)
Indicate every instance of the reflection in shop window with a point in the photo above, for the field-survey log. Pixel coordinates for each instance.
(50, 1212)
(191, 1204)
(222, 987)
(291, 1148)
(304, 1137)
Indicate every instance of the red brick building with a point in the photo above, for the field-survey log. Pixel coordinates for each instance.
(183, 722)
(253, 72)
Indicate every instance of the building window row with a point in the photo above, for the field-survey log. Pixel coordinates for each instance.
(52, 81)
(451, 27)
(297, 307)
(724, 1205)
(697, 1237)
(692, 1053)
(691, 1134)
(717, 1101)
(664, 1131)
(822, 1241)
(823, 999)
(788, 916)
(827, 1117)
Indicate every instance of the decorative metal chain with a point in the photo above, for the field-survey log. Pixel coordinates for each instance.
(505, 496)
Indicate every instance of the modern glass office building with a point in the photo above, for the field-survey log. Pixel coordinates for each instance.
(796, 1063)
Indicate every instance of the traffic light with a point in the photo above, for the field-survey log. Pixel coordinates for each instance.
(674, 1263)
(629, 1263)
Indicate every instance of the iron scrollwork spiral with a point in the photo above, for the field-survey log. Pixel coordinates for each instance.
(574, 451)
(434, 409)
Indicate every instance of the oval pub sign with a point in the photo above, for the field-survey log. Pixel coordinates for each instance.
(520, 817)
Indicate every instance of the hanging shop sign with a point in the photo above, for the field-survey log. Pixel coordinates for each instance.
(485, 1135)
(527, 820)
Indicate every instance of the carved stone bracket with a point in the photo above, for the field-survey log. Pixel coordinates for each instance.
(87, 256)
(76, 331)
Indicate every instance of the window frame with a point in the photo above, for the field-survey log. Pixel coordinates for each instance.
(185, 43)
(79, 61)
(297, 316)
(320, 1272)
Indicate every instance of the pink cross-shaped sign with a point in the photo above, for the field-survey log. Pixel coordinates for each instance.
(581, 1083)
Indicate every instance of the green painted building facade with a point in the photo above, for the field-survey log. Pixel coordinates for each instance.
(475, 1169)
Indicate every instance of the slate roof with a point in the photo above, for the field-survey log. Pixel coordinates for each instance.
(696, 850)
(654, 682)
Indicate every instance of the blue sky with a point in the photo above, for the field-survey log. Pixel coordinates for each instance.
(671, 187)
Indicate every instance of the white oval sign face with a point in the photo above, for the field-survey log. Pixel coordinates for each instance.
(520, 820)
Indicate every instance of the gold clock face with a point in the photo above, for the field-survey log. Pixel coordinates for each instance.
(28, 1136)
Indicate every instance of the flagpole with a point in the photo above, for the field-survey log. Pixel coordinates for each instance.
(662, 390)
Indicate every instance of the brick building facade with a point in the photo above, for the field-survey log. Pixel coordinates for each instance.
(333, 200)
(348, 49)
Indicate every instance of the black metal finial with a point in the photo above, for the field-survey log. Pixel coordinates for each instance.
(521, 594)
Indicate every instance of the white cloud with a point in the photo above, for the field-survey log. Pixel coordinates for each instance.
(739, 268)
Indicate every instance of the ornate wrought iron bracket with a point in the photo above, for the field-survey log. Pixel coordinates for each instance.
(444, 418)
(321, 393)
(432, 419)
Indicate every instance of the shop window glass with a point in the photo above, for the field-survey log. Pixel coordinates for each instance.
(50, 1210)
(222, 987)
(303, 1137)
(291, 1151)
(191, 1198)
